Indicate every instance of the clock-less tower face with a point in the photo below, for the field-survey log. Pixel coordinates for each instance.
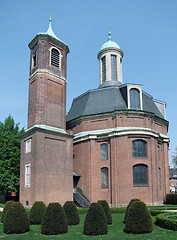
(47, 82)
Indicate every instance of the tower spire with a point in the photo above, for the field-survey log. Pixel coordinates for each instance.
(50, 31)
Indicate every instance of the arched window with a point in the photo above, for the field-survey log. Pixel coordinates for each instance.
(139, 149)
(103, 60)
(134, 98)
(113, 67)
(140, 175)
(104, 151)
(55, 58)
(104, 178)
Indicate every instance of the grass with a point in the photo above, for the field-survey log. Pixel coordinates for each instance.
(75, 232)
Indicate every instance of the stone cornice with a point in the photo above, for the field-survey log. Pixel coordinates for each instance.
(116, 132)
(47, 129)
(39, 71)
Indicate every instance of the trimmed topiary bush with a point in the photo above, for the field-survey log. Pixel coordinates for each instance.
(37, 212)
(129, 205)
(72, 213)
(6, 207)
(54, 220)
(95, 221)
(107, 211)
(16, 219)
(138, 219)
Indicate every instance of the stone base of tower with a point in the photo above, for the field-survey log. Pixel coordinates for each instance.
(46, 170)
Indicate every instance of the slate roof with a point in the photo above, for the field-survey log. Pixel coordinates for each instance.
(106, 100)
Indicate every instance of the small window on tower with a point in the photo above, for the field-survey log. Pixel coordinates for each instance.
(113, 68)
(55, 58)
(34, 59)
(103, 60)
(28, 145)
(27, 175)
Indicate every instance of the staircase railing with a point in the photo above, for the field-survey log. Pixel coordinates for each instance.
(80, 199)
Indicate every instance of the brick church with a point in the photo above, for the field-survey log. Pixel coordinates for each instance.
(112, 144)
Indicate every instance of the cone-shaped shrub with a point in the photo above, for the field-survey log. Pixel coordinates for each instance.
(16, 219)
(37, 212)
(95, 221)
(129, 205)
(6, 207)
(54, 220)
(72, 213)
(107, 211)
(138, 219)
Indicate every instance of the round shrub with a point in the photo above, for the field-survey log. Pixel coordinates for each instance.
(107, 211)
(72, 213)
(138, 219)
(6, 207)
(37, 212)
(129, 205)
(54, 220)
(16, 219)
(95, 221)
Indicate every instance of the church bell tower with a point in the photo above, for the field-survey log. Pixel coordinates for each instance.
(46, 148)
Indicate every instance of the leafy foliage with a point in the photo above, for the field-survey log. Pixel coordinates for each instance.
(37, 212)
(138, 219)
(9, 154)
(2, 199)
(107, 211)
(6, 207)
(129, 205)
(54, 221)
(174, 157)
(72, 213)
(95, 221)
(16, 219)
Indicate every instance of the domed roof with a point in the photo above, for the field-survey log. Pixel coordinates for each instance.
(109, 43)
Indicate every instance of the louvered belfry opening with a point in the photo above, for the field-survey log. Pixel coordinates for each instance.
(55, 58)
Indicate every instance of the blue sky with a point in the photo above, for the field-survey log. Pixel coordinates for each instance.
(146, 31)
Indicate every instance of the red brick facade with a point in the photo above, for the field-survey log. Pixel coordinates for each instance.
(118, 132)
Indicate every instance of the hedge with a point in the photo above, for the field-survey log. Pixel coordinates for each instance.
(37, 212)
(171, 198)
(107, 211)
(72, 213)
(164, 222)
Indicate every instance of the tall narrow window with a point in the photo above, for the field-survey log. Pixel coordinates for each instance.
(104, 178)
(113, 68)
(159, 177)
(55, 58)
(27, 175)
(139, 149)
(134, 99)
(103, 60)
(104, 151)
(28, 145)
(34, 59)
(140, 175)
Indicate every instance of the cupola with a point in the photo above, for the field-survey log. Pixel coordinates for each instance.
(110, 58)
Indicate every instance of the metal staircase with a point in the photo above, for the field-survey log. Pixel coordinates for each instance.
(80, 198)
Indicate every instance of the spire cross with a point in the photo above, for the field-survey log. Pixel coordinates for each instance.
(50, 14)
(109, 34)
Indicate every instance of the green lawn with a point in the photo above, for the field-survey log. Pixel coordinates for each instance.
(75, 232)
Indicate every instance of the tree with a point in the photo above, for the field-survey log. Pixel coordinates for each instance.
(10, 155)
(174, 157)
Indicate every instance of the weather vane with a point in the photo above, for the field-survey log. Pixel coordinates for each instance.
(109, 33)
